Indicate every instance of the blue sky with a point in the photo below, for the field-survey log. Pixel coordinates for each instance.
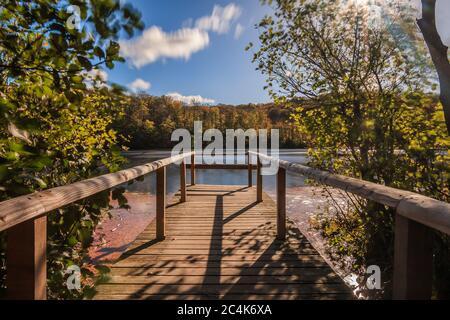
(194, 48)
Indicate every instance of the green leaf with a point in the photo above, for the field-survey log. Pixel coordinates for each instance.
(72, 241)
(99, 52)
(85, 63)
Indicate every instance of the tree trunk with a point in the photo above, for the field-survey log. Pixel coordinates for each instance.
(438, 52)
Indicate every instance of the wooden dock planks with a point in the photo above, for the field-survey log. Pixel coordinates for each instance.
(221, 244)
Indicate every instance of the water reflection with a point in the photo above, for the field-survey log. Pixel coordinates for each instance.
(214, 177)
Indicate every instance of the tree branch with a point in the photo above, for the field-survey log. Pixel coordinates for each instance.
(438, 52)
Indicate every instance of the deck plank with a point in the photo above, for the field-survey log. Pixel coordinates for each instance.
(221, 244)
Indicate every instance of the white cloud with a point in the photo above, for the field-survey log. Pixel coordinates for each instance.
(442, 18)
(418, 5)
(220, 20)
(238, 31)
(155, 44)
(190, 100)
(98, 73)
(442, 14)
(96, 77)
(139, 85)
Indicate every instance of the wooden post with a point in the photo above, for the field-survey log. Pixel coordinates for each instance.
(281, 204)
(161, 203)
(26, 260)
(259, 182)
(193, 169)
(183, 181)
(413, 260)
(250, 171)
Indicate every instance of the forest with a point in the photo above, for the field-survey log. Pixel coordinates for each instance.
(148, 122)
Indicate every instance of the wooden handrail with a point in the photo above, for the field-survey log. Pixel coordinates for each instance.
(430, 212)
(415, 216)
(259, 182)
(20, 209)
(192, 168)
(224, 166)
(161, 189)
(26, 221)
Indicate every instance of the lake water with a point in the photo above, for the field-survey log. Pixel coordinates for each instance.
(204, 176)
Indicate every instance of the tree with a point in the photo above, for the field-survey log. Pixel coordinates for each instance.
(438, 52)
(360, 97)
(56, 114)
(351, 71)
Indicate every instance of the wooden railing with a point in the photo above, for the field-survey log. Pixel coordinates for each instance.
(25, 219)
(415, 216)
(225, 166)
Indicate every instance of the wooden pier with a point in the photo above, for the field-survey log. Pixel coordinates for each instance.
(221, 244)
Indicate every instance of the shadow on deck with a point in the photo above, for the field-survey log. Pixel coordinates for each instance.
(221, 244)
